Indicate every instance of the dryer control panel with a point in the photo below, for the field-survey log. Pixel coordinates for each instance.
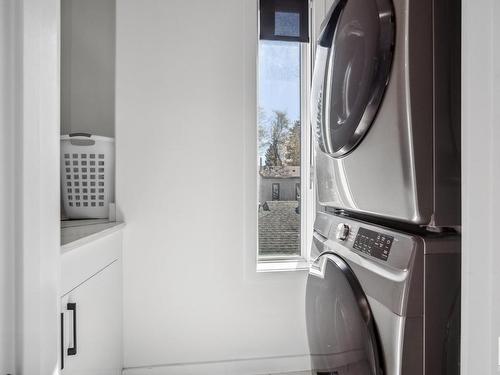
(373, 243)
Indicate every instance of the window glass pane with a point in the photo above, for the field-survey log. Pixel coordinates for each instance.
(284, 20)
(279, 153)
(287, 23)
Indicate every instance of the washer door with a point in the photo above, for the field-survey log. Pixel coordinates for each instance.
(352, 69)
(340, 326)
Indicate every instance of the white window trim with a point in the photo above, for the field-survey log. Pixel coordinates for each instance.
(307, 203)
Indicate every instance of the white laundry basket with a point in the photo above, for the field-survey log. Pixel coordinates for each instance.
(87, 175)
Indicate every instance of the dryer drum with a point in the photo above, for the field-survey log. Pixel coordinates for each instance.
(358, 41)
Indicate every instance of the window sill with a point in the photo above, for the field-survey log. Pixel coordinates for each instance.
(282, 265)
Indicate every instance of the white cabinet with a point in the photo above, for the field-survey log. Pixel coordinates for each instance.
(91, 325)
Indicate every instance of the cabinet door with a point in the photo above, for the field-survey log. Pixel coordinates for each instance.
(92, 324)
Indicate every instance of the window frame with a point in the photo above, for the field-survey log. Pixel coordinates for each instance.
(276, 263)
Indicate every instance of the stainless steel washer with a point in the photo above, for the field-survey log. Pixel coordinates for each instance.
(379, 301)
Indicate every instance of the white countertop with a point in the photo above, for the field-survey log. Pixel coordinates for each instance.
(75, 233)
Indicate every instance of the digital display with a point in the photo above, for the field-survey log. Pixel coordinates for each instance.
(376, 244)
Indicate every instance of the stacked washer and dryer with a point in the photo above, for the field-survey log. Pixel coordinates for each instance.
(382, 294)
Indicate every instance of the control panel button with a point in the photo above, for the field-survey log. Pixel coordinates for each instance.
(342, 232)
(376, 244)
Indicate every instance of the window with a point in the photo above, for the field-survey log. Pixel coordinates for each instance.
(276, 192)
(283, 141)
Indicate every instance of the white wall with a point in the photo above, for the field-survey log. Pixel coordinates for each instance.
(37, 244)
(7, 118)
(29, 180)
(88, 66)
(481, 187)
(186, 186)
(29, 165)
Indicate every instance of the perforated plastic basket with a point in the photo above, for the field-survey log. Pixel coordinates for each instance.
(87, 175)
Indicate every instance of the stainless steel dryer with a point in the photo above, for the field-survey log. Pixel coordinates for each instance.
(379, 301)
(386, 106)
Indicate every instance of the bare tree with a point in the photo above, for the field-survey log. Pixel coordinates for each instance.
(262, 132)
(292, 145)
(277, 135)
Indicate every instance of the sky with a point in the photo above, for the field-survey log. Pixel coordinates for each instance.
(279, 77)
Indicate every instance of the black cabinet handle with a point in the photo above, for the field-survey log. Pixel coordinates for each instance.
(72, 307)
(62, 341)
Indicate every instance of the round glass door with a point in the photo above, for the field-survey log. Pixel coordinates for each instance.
(340, 326)
(359, 38)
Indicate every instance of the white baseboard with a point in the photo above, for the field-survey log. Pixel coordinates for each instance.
(247, 366)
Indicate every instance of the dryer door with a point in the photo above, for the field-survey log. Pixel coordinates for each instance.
(340, 327)
(353, 62)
